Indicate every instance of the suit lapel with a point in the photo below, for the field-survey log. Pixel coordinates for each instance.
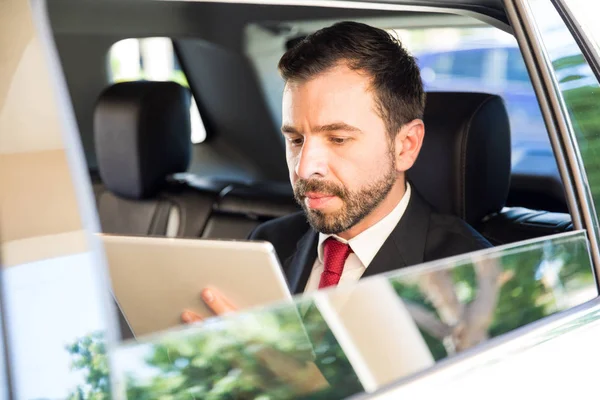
(299, 265)
(406, 244)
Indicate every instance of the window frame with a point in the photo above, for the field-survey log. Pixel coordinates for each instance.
(560, 130)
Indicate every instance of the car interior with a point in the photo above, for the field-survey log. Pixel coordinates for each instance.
(136, 135)
(150, 179)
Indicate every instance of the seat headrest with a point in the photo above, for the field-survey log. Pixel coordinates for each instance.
(142, 135)
(464, 165)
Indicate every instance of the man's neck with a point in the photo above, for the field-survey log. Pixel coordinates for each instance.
(381, 211)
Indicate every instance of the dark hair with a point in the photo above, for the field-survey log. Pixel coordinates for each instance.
(395, 76)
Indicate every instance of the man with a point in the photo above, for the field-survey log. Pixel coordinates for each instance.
(352, 119)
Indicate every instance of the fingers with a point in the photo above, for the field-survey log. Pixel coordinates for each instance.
(189, 317)
(217, 302)
(213, 299)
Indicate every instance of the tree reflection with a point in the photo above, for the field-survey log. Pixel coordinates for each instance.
(458, 308)
(288, 351)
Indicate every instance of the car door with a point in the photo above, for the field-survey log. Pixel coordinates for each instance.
(448, 317)
(55, 304)
(551, 360)
(386, 329)
(58, 313)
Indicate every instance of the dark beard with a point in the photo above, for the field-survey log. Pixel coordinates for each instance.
(356, 205)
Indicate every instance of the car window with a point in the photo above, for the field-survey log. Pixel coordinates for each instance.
(152, 59)
(466, 56)
(468, 64)
(484, 59)
(418, 315)
(577, 86)
(516, 71)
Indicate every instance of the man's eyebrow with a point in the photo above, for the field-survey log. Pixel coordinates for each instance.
(289, 129)
(336, 126)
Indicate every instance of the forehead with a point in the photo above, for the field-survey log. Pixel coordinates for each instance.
(336, 93)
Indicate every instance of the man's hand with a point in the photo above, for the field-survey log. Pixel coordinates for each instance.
(304, 377)
(214, 299)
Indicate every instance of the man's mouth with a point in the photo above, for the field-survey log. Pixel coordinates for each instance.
(317, 200)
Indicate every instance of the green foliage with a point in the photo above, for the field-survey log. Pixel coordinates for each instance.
(223, 364)
(520, 298)
(221, 360)
(89, 355)
(581, 98)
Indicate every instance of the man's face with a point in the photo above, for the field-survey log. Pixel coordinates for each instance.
(339, 154)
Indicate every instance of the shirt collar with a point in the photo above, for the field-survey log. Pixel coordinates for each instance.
(366, 244)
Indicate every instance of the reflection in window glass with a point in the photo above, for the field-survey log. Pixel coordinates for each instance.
(152, 59)
(261, 355)
(61, 353)
(334, 343)
(586, 12)
(484, 297)
(577, 85)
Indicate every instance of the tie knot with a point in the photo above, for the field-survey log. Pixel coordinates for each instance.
(335, 254)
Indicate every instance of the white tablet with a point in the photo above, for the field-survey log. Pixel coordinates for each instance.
(154, 279)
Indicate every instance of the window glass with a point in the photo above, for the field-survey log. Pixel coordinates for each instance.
(3, 354)
(515, 67)
(483, 59)
(577, 86)
(463, 56)
(586, 13)
(61, 352)
(335, 343)
(152, 59)
(468, 64)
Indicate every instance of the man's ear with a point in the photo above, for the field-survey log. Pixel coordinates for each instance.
(408, 144)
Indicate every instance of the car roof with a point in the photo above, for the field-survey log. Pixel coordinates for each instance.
(491, 8)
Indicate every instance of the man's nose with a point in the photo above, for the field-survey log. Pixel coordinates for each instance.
(312, 161)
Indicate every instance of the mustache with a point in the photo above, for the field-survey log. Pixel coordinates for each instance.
(303, 186)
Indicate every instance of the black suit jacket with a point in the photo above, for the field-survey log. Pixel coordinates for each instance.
(421, 235)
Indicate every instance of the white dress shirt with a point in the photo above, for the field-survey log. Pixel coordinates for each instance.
(364, 246)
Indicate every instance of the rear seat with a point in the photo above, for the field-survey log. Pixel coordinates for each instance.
(241, 208)
(142, 138)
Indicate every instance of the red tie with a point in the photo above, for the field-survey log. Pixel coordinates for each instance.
(335, 254)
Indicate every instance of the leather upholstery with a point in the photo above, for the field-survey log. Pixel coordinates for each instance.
(464, 165)
(516, 224)
(142, 135)
(259, 199)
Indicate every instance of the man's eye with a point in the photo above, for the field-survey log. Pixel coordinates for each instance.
(339, 140)
(296, 141)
